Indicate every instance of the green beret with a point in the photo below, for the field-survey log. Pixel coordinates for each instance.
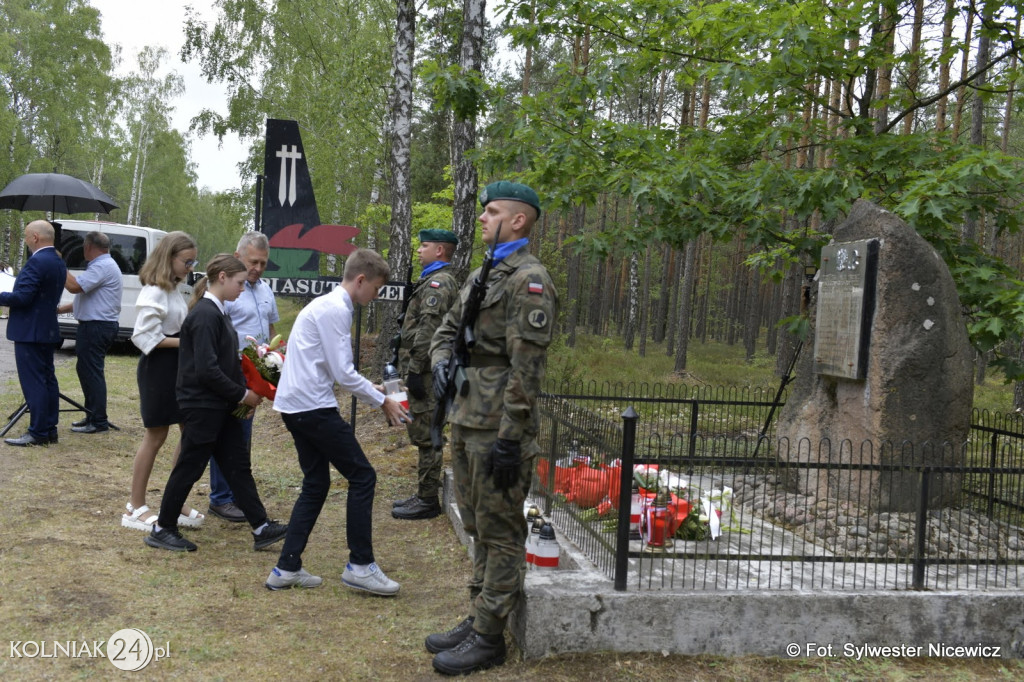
(512, 191)
(438, 236)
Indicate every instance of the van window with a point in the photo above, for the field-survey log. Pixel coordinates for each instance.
(128, 251)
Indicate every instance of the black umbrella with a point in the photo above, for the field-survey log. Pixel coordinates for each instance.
(56, 193)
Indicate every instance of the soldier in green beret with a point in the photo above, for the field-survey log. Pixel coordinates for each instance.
(494, 426)
(432, 296)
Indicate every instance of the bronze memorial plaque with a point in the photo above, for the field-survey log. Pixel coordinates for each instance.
(846, 303)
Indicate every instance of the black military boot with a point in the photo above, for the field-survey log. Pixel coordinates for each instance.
(476, 652)
(402, 503)
(443, 641)
(420, 508)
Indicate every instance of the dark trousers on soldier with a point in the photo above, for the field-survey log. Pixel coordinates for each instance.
(211, 433)
(430, 459)
(323, 439)
(495, 519)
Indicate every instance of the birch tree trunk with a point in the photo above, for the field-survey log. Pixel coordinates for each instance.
(400, 251)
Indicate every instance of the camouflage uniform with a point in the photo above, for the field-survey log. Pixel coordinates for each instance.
(506, 368)
(431, 298)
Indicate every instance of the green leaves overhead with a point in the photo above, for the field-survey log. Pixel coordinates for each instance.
(762, 121)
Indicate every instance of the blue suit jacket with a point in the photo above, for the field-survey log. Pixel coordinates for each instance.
(35, 297)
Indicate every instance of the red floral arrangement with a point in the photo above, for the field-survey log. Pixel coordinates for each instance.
(261, 366)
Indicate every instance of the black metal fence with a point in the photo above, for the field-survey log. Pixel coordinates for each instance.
(786, 515)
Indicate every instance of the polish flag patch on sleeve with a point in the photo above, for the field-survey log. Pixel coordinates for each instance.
(536, 288)
(434, 284)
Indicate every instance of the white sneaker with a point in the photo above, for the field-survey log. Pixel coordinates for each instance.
(374, 582)
(282, 580)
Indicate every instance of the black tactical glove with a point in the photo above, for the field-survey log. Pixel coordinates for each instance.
(440, 371)
(503, 463)
(415, 385)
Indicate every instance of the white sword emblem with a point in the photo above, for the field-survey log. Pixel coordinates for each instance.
(285, 155)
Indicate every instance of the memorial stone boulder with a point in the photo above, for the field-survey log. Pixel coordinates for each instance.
(909, 401)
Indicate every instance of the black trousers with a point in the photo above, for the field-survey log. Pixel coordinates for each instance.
(323, 439)
(211, 433)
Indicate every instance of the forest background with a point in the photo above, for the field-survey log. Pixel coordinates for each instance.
(692, 157)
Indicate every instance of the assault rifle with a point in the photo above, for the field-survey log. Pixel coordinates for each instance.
(465, 339)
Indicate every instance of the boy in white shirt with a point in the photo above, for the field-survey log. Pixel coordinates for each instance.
(320, 355)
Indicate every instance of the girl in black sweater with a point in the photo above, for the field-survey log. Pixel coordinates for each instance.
(210, 386)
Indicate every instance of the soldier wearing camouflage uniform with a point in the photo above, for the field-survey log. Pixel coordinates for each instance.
(431, 297)
(494, 427)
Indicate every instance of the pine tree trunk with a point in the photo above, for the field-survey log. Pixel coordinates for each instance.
(675, 285)
(790, 306)
(571, 302)
(685, 305)
(661, 313)
(464, 138)
(633, 304)
(962, 92)
(752, 328)
(645, 297)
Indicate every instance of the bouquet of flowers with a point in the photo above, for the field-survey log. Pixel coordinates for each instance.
(261, 365)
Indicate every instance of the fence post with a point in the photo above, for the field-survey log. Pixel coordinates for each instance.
(552, 459)
(992, 476)
(694, 413)
(629, 418)
(921, 532)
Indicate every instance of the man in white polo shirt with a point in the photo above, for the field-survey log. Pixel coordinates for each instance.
(97, 307)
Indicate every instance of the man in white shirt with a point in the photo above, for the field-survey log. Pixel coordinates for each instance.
(320, 355)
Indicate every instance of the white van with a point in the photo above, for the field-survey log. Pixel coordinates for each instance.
(130, 245)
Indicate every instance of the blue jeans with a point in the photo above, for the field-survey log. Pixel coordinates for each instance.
(220, 491)
(322, 439)
(92, 341)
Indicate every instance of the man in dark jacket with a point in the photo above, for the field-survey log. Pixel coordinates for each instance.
(33, 328)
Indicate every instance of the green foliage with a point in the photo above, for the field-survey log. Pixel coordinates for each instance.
(464, 92)
(739, 178)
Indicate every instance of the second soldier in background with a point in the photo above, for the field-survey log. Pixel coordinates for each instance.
(430, 299)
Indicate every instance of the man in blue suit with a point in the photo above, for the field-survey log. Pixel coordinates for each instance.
(33, 328)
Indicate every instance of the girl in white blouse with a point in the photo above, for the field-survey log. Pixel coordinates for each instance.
(161, 309)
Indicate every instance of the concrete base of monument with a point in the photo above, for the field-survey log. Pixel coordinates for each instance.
(576, 609)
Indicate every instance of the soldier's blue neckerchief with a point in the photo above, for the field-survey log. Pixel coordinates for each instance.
(433, 267)
(502, 250)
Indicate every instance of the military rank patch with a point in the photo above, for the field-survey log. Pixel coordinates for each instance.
(434, 284)
(537, 318)
(432, 301)
(536, 288)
